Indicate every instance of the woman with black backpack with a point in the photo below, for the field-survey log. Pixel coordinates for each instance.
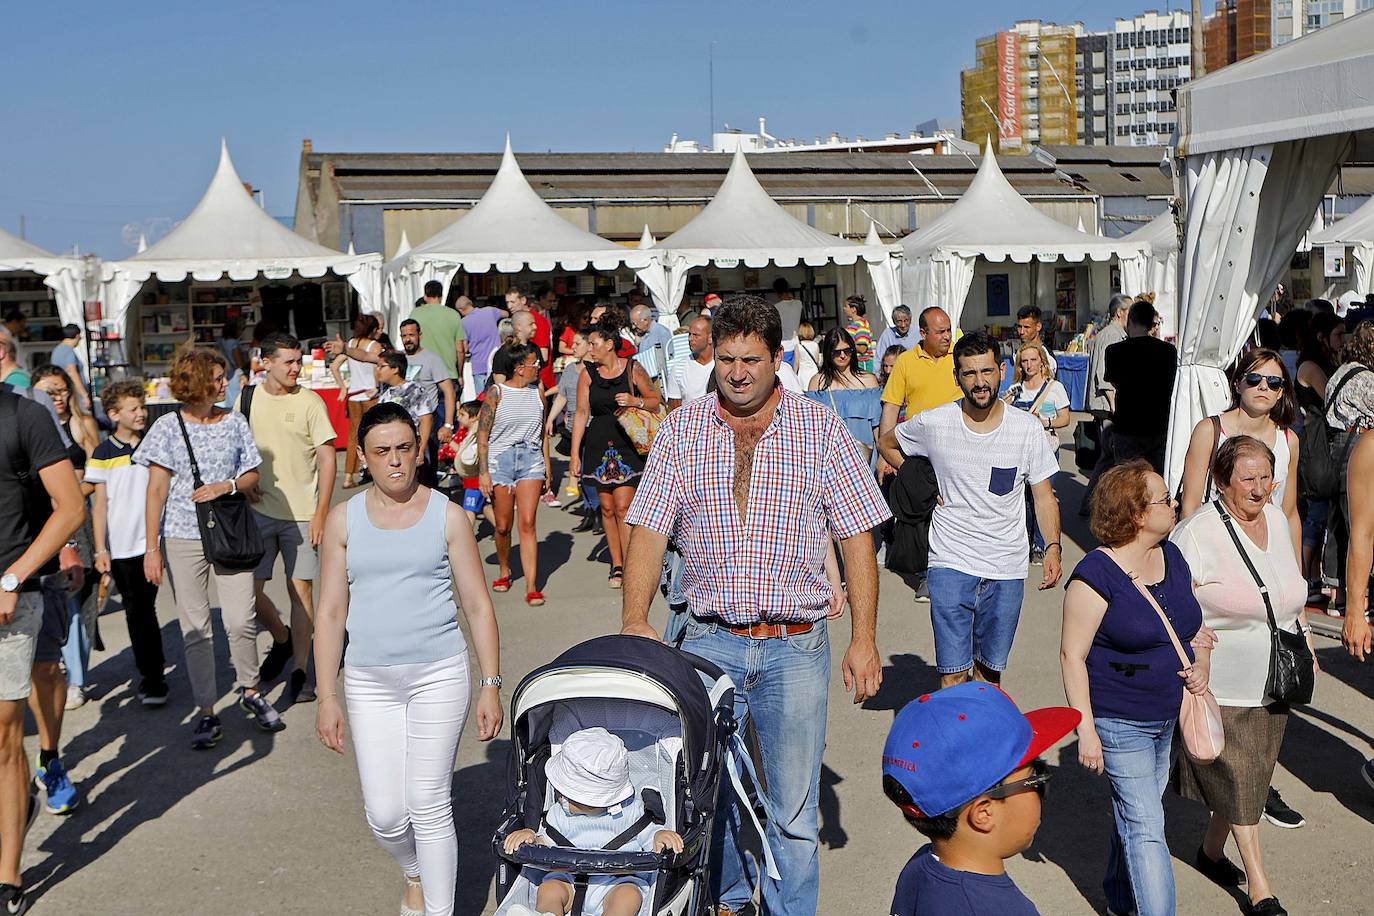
(1349, 411)
(1322, 341)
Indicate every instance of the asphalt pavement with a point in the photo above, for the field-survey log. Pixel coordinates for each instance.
(273, 824)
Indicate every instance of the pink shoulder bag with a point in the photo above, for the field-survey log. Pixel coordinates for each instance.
(1199, 717)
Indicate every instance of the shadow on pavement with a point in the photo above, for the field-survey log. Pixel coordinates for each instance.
(906, 678)
(1325, 763)
(832, 833)
(1071, 492)
(555, 549)
(479, 795)
(155, 766)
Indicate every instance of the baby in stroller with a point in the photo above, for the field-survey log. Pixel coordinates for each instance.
(596, 809)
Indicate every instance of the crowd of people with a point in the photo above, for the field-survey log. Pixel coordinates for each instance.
(756, 474)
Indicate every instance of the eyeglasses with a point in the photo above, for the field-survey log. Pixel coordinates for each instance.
(1162, 501)
(1275, 382)
(842, 351)
(1036, 782)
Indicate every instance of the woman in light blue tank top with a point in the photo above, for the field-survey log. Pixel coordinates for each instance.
(388, 563)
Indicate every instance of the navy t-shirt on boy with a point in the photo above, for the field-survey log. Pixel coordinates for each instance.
(928, 887)
(1132, 665)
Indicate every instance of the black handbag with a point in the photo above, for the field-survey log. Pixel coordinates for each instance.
(1292, 676)
(228, 534)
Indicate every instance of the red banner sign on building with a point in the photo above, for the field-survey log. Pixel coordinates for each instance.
(1008, 91)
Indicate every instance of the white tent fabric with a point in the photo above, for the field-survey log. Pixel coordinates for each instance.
(1156, 270)
(1312, 87)
(885, 274)
(510, 229)
(1246, 210)
(1357, 232)
(742, 224)
(993, 221)
(228, 235)
(62, 275)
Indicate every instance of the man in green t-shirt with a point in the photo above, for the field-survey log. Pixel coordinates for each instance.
(443, 330)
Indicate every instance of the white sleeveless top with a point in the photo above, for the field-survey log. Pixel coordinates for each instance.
(362, 377)
(1281, 457)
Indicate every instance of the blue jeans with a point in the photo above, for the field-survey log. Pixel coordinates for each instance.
(1140, 875)
(782, 684)
(479, 382)
(1033, 534)
(973, 619)
(670, 583)
(591, 498)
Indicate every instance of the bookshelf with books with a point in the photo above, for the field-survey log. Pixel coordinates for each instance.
(172, 315)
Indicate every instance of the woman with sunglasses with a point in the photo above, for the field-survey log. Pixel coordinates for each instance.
(1262, 407)
(1121, 672)
(839, 368)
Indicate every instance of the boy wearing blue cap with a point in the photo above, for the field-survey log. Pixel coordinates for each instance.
(962, 765)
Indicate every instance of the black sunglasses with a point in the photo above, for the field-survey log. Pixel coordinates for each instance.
(1037, 782)
(842, 351)
(1276, 382)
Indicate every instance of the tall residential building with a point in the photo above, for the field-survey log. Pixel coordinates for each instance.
(1295, 18)
(1150, 58)
(1023, 88)
(1237, 30)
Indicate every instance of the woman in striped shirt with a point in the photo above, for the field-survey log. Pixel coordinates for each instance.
(513, 455)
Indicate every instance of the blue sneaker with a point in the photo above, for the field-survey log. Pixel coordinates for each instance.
(62, 795)
(260, 711)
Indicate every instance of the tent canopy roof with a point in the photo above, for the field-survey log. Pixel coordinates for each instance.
(1311, 87)
(512, 226)
(14, 249)
(227, 233)
(992, 220)
(1355, 229)
(742, 222)
(1159, 233)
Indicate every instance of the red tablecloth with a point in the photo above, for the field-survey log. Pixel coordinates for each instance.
(338, 415)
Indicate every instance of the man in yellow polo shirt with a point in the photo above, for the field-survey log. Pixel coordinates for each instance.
(922, 378)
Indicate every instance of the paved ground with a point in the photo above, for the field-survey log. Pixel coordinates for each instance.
(273, 824)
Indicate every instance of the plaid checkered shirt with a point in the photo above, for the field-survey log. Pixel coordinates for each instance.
(810, 482)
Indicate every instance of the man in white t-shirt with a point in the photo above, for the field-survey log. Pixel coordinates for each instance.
(789, 310)
(985, 454)
(687, 381)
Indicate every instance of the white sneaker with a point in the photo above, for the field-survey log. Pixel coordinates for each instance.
(76, 697)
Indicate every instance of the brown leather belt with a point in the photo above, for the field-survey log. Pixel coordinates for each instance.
(766, 630)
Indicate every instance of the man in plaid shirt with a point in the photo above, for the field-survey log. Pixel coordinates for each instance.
(753, 484)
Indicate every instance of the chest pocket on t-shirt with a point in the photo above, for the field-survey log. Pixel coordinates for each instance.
(1001, 481)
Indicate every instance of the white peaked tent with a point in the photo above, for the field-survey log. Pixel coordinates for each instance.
(742, 224)
(1356, 231)
(510, 229)
(62, 275)
(228, 235)
(1261, 142)
(1158, 272)
(991, 220)
(885, 274)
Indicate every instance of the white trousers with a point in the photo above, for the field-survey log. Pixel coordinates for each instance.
(406, 722)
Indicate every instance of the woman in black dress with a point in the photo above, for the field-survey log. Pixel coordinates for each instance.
(602, 453)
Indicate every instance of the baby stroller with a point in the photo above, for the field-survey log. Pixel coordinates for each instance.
(674, 711)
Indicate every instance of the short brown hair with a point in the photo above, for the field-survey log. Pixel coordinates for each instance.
(1120, 498)
(1234, 449)
(123, 390)
(192, 375)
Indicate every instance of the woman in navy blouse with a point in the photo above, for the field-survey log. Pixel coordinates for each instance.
(1121, 673)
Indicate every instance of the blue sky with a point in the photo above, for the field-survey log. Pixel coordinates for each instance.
(115, 110)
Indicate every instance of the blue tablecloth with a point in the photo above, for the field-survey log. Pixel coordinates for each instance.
(1073, 373)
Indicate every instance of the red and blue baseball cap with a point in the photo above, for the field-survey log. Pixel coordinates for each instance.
(947, 748)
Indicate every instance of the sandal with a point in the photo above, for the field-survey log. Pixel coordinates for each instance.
(534, 599)
(501, 585)
(349, 482)
(616, 577)
(405, 910)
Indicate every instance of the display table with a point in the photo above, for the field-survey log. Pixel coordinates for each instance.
(337, 409)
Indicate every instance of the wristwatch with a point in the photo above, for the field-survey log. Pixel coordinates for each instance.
(494, 681)
(9, 582)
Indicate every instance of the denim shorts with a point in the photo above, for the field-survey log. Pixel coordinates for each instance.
(1314, 523)
(974, 619)
(521, 461)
